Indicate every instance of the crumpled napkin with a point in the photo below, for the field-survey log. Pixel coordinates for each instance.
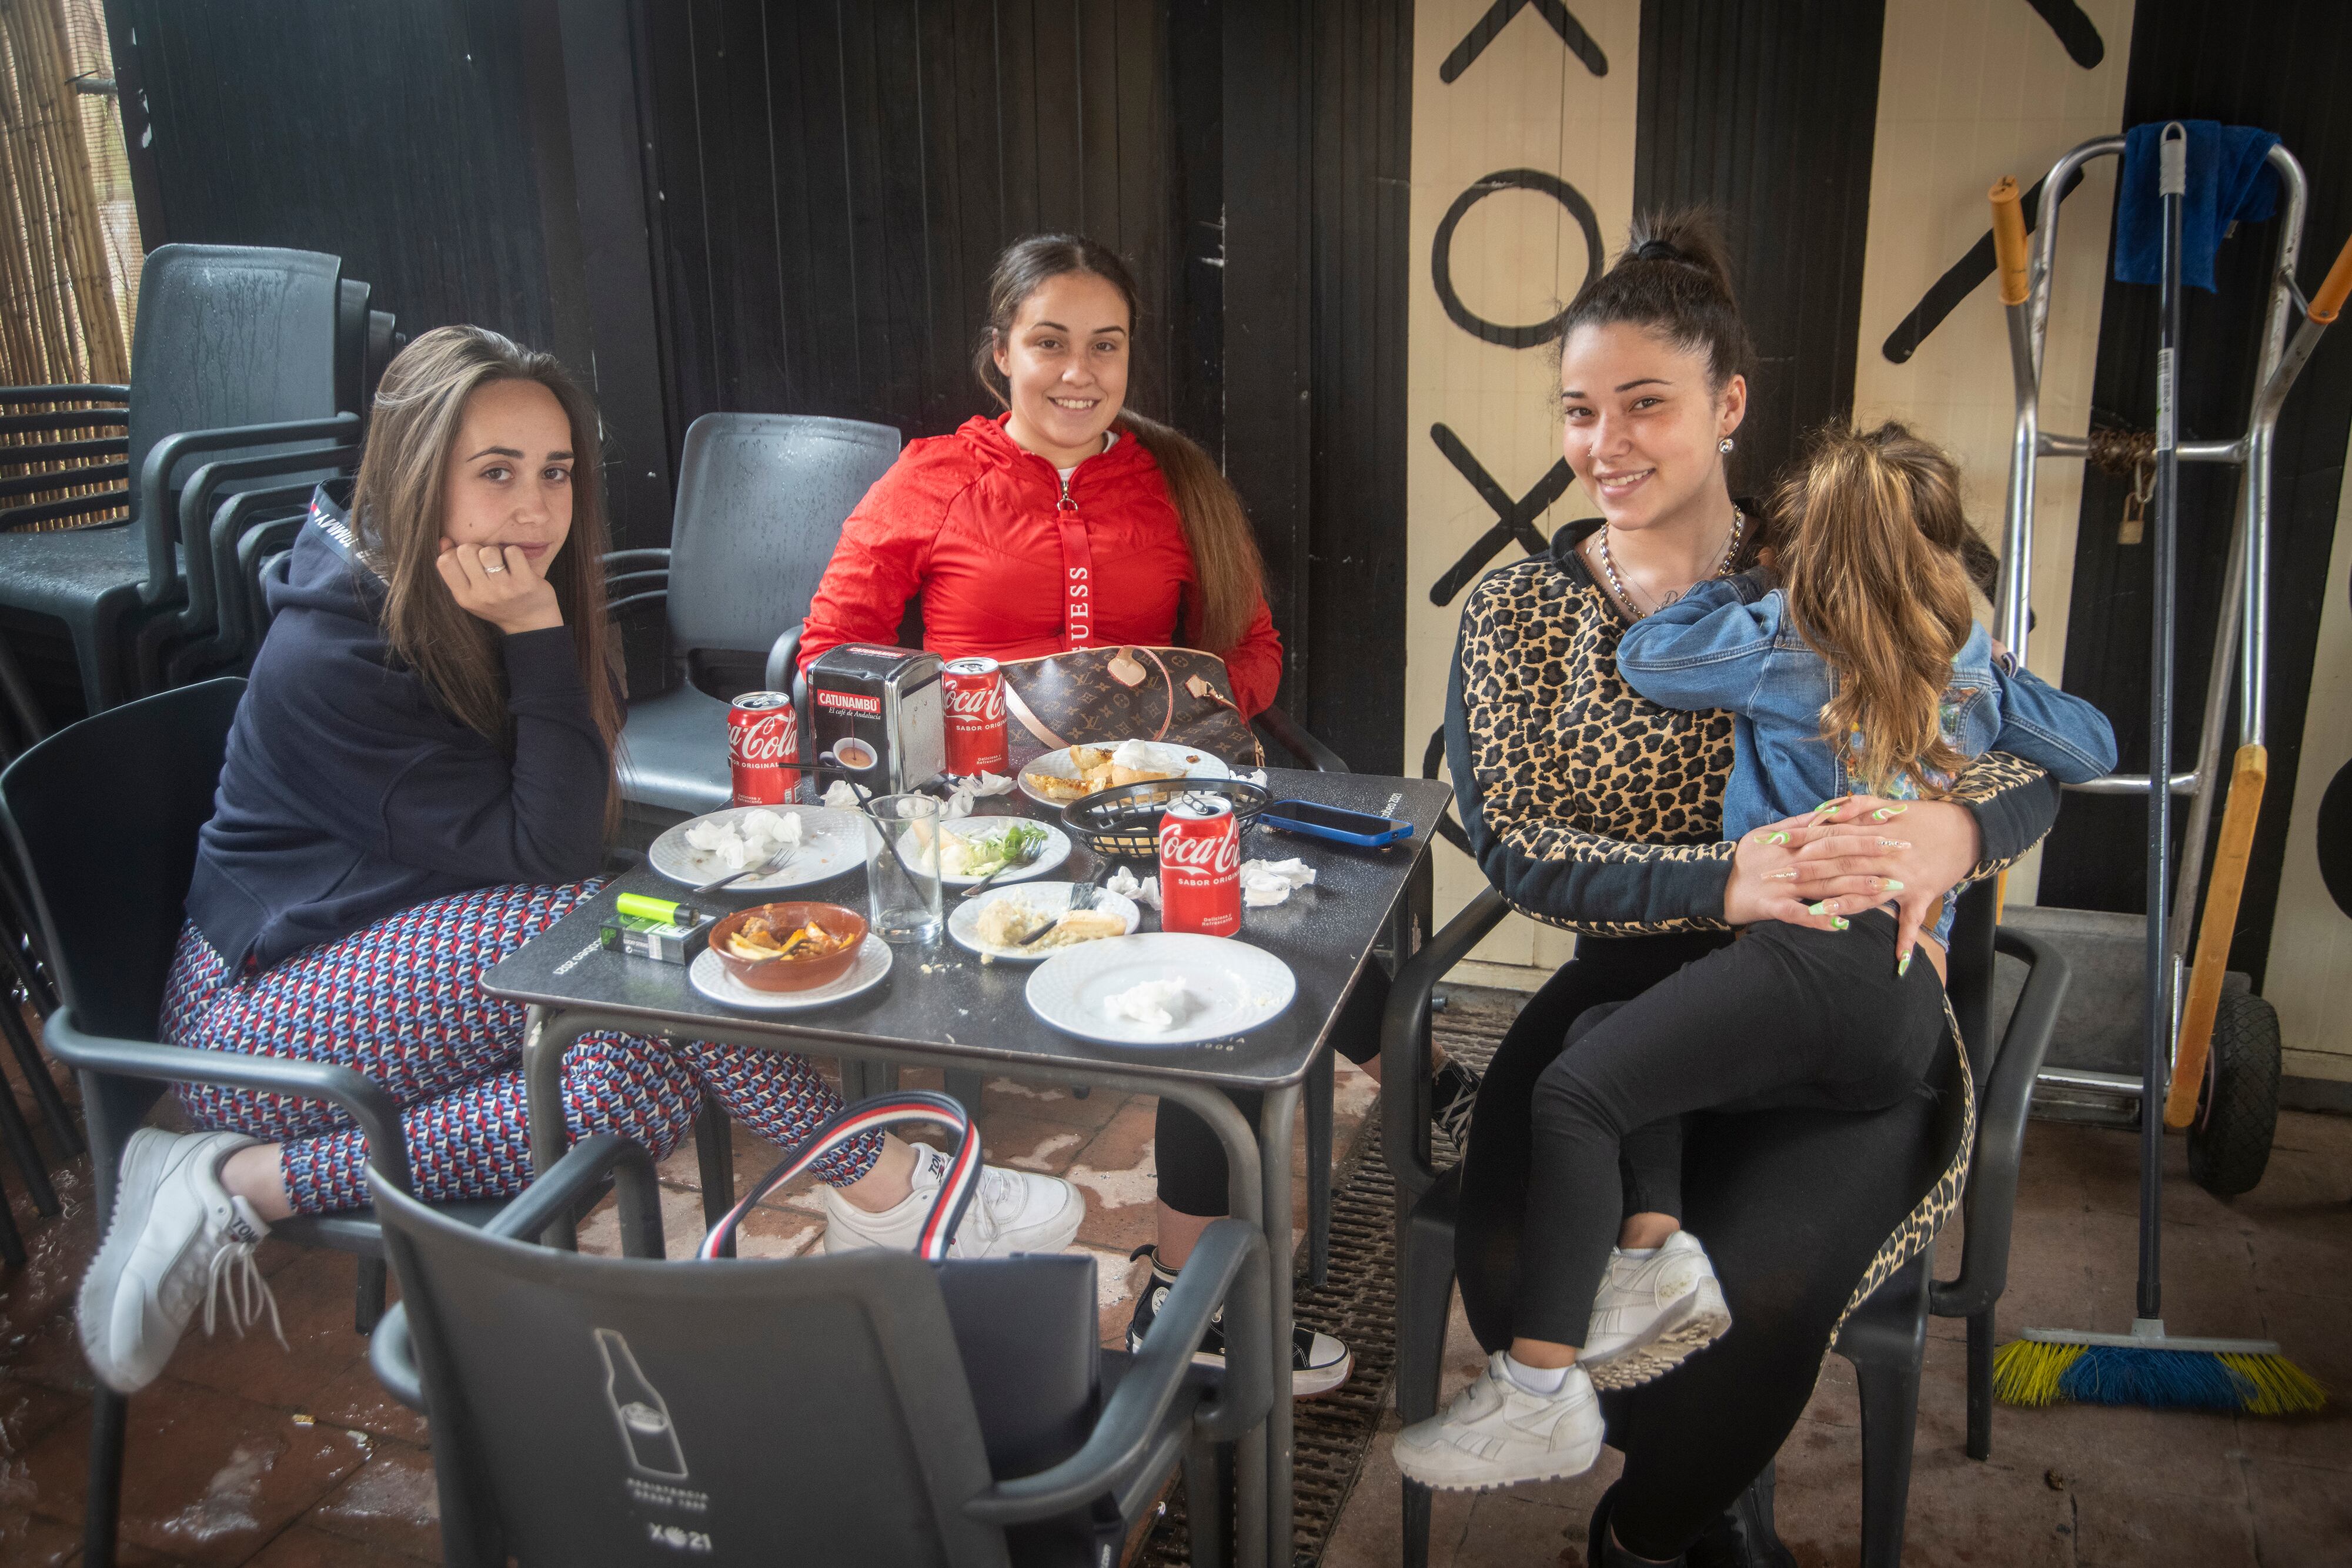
(839, 794)
(1265, 884)
(960, 798)
(1124, 882)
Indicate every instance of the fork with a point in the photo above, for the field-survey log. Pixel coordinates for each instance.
(1082, 896)
(774, 862)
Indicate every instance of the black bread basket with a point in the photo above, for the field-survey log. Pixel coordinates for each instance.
(1123, 821)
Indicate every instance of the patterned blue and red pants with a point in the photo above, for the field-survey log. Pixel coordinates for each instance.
(401, 1002)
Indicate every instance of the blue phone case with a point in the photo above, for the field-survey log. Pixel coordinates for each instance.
(1273, 817)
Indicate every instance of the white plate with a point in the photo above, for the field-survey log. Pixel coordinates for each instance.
(1058, 763)
(832, 842)
(1055, 850)
(709, 976)
(1232, 987)
(1046, 897)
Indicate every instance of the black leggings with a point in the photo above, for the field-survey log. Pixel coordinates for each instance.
(1192, 1161)
(1793, 1204)
(1786, 1017)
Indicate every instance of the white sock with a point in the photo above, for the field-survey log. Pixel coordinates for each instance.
(1637, 1253)
(1536, 1379)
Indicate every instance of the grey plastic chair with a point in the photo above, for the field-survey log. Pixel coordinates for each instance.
(238, 350)
(102, 818)
(760, 501)
(1886, 1336)
(866, 1408)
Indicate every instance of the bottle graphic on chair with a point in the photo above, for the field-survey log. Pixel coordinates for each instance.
(642, 1413)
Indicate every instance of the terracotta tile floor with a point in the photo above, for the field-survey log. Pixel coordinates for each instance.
(244, 1453)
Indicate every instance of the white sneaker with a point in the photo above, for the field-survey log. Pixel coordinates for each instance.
(1653, 1312)
(1010, 1211)
(1497, 1434)
(177, 1237)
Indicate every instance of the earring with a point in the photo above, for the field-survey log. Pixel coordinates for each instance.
(1725, 446)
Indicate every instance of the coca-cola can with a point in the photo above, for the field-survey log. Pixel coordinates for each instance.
(974, 699)
(763, 744)
(1201, 867)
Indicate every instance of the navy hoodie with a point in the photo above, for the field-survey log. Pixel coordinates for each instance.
(349, 794)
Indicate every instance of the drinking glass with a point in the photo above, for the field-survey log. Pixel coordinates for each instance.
(902, 867)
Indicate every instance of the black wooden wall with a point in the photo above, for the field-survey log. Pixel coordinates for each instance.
(2190, 61)
(397, 136)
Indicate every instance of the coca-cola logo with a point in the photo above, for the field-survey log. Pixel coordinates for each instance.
(977, 702)
(766, 741)
(1201, 855)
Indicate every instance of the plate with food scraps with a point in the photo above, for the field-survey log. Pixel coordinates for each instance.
(1161, 988)
(1074, 772)
(999, 923)
(975, 848)
(709, 847)
(709, 976)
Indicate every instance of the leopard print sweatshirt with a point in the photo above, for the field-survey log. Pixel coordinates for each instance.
(1591, 808)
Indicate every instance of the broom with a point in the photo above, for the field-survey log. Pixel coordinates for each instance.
(2147, 1366)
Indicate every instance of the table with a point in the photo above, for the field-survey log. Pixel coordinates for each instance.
(941, 1006)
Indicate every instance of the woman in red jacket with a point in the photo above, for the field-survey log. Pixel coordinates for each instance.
(999, 526)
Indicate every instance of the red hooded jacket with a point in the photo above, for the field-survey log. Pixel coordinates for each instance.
(970, 521)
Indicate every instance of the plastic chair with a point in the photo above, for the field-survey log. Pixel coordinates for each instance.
(238, 350)
(102, 817)
(760, 501)
(868, 1407)
(1886, 1336)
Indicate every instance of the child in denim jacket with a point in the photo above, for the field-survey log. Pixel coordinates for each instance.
(1864, 673)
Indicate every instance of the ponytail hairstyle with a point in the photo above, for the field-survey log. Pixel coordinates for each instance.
(1216, 527)
(396, 512)
(1878, 561)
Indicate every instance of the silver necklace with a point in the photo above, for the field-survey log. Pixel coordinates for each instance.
(1722, 565)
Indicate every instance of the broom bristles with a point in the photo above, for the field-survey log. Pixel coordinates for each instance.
(2035, 1372)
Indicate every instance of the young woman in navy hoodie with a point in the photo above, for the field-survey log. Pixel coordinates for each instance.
(419, 778)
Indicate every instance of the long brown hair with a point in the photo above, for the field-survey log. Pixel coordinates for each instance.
(1216, 527)
(1673, 278)
(396, 511)
(1876, 562)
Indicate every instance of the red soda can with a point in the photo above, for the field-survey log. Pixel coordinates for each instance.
(763, 742)
(973, 693)
(1201, 867)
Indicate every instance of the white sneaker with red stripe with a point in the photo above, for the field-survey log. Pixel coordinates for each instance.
(1010, 1211)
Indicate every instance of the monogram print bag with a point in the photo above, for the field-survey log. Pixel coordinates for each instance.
(1090, 696)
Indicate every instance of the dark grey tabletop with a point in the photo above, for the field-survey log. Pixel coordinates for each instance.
(945, 1001)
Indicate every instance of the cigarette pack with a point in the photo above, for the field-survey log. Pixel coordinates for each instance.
(663, 942)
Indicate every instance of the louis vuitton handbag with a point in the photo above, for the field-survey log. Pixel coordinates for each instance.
(1101, 696)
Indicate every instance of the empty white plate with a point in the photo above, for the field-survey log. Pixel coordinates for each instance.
(1230, 986)
(710, 977)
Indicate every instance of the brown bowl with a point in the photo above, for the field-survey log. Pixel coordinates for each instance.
(791, 974)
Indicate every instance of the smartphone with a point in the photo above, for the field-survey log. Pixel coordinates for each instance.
(1317, 822)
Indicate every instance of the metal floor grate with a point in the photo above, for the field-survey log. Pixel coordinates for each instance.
(1357, 1304)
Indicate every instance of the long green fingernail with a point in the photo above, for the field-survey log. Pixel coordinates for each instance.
(1839, 923)
(1778, 838)
(1902, 965)
(1890, 885)
(1825, 806)
(1820, 908)
(1885, 811)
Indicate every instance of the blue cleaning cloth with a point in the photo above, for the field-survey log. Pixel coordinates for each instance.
(2228, 181)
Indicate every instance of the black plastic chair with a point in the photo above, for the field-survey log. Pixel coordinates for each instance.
(102, 817)
(1885, 1338)
(760, 501)
(237, 350)
(868, 1408)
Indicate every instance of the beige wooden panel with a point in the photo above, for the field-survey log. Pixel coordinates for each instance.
(1526, 103)
(1971, 90)
(2310, 975)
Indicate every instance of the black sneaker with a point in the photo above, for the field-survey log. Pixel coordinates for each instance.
(1319, 1364)
(1453, 1096)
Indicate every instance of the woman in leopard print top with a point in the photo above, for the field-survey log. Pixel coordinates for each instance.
(1591, 808)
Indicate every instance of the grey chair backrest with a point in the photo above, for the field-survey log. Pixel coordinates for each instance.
(760, 501)
(231, 335)
(614, 1410)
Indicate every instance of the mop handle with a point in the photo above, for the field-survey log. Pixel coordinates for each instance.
(2334, 288)
(2172, 185)
(2009, 240)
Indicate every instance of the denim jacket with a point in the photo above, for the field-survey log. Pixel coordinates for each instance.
(1730, 644)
